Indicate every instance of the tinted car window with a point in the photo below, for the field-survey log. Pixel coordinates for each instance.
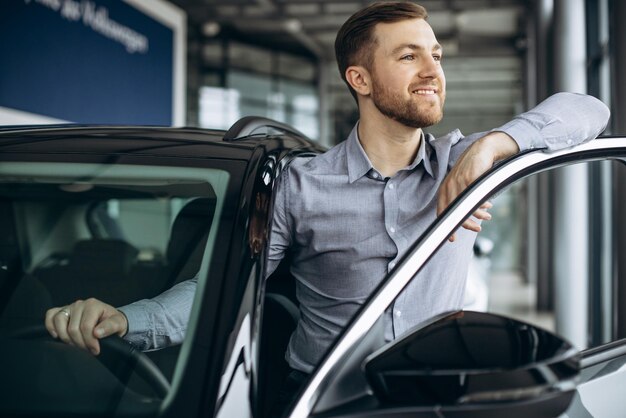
(71, 231)
(529, 291)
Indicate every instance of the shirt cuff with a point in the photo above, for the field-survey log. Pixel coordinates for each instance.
(138, 322)
(524, 133)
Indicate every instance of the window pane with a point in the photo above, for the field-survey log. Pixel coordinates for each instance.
(74, 231)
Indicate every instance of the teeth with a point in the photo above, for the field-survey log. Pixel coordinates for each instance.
(423, 91)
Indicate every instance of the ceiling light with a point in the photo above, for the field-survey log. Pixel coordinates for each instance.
(211, 29)
(293, 25)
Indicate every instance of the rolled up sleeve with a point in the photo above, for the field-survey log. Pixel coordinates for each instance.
(560, 121)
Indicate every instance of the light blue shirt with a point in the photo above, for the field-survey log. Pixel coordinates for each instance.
(347, 226)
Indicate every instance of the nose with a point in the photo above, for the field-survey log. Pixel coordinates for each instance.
(430, 68)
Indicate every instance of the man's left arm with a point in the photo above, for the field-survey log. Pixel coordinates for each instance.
(562, 120)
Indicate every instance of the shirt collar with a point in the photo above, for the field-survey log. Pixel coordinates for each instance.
(359, 163)
(423, 155)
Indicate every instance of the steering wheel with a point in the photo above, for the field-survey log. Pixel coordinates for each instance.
(117, 355)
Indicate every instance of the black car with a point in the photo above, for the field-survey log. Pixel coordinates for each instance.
(125, 213)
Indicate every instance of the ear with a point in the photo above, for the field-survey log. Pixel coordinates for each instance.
(359, 79)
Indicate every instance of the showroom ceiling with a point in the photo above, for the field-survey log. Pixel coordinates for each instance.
(483, 41)
(308, 27)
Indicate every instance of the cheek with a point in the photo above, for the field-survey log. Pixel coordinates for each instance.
(442, 77)
(401, 78)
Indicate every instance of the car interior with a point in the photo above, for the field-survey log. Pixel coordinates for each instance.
(280, 307)
(116, 242)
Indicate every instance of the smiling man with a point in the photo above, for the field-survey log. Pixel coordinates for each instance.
(349, 215)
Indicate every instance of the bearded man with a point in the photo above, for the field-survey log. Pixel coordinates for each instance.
(348, 215)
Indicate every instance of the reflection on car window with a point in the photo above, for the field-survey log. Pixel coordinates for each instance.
(75, 231)
(516, 278)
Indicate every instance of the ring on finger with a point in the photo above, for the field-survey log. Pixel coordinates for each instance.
(65, 311)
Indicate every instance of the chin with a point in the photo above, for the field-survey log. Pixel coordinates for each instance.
(427, 119)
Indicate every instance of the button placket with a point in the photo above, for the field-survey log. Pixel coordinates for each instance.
(391, 209)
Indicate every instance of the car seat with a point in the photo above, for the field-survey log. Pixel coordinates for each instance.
(188, 238)
(280, 317)
(23, 299)
(185, 249)
(95, 268)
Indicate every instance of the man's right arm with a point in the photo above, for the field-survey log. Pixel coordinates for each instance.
(162, 320)
(148, 323)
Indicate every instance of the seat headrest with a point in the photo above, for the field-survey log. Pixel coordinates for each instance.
(111, 256)
(190, 227)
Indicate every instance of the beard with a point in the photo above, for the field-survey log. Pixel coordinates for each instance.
(413, 112)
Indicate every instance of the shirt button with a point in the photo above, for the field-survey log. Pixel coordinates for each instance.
(569, 142)
(375, 175)
(392, 230)
(391, 186)
(398, 314)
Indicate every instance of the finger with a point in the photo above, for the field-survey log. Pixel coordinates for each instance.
(60, 321)
(452, 238)
(471, 225)
(482, 214)
(91, 315)
(49, 321)
(110, 326)
(73, 327)
(486, 205)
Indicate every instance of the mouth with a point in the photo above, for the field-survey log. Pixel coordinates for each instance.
(425, 91)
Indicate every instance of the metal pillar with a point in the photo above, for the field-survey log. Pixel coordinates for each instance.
(618, 110)
(540, 212)
(571, 196)
(601, 287)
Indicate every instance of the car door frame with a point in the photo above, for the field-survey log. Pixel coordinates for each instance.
(495, 180)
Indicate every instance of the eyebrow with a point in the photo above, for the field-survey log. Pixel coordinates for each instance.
(414, 47)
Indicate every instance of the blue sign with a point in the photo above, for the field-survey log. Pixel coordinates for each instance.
(86, 61)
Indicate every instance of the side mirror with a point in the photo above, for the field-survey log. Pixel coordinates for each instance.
(473, 364)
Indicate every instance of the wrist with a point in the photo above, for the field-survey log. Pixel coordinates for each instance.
(499, 145)
(125, 320)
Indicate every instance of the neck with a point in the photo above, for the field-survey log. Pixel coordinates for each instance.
(389, 145)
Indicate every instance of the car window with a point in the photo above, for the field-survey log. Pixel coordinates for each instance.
(518, 283)
(119, 233)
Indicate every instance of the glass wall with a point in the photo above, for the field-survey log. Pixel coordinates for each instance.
(252, 81)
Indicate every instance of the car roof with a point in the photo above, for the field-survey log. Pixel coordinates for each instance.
(139, 140)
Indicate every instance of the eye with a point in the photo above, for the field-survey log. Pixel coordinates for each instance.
(408, 57)
(437, 57)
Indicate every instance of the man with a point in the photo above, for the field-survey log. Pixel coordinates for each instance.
(351, 213)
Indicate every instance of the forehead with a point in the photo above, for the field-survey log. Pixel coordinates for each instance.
(390, 36)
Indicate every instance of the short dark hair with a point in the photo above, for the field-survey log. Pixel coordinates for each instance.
(355, 41)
